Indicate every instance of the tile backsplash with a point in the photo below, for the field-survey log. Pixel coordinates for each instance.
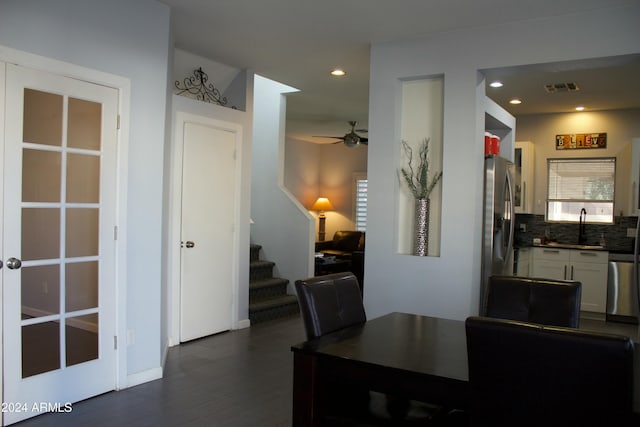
(615, 235)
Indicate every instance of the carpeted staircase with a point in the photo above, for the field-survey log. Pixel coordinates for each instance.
(268, 297)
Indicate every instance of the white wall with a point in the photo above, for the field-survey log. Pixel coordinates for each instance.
(448, 286)
(620, 125)
(131, 40)
(281, 224)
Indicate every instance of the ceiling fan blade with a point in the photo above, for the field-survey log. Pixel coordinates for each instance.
(364, 141)
(326, 136)
(362, 130)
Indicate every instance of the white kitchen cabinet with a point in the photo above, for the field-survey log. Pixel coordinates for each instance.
(524, 262)
(550, 263)
(523, 177)
(587, 267)
(590, 268)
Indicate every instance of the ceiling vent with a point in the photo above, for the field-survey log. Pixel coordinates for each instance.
(561, 87)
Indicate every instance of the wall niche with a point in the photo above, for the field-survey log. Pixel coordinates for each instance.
(421, 111)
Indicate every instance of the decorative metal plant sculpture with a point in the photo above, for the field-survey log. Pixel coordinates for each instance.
(197, 85)
(417, 179)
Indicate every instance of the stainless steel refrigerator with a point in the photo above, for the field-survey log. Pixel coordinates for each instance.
(623, 292)
(498, 222)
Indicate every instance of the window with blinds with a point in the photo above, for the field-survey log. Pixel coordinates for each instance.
(574, 184)
(360, 205)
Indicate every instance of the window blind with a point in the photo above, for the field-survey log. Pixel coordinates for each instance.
(361, 204)
(581, 183)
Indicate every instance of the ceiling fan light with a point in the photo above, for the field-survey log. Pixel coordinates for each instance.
(351, 140)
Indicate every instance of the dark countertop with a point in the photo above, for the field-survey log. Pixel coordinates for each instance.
(572, 246)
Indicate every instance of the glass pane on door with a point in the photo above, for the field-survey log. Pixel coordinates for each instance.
(42, 117)
(84, 124)
(40, 348)
(40, 233)
(41, 176)
(81, 339)
(40, 291)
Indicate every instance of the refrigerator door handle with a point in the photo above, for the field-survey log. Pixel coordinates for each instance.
(512, 214)
(635, 263)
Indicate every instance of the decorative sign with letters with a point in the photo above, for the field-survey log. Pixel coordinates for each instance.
(581, 140)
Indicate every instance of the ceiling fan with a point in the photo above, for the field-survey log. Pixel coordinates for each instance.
(351, 139)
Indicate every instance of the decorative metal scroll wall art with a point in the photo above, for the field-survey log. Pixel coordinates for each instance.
(198, 85)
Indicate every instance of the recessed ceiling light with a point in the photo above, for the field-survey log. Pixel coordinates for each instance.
(580, 108)
(338, 72)
(496, 84)
(515, 101)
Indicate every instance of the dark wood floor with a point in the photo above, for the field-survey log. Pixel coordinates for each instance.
(239, 378)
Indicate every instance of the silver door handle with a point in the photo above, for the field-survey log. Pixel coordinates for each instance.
(14, 263)
(0, 263)
(190, 244)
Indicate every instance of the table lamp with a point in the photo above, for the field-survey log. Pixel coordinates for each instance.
(321, 205)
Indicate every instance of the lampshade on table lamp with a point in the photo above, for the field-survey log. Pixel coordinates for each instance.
(321, 205)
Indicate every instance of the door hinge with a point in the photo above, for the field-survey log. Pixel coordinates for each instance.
(115, 232)
(115, 342)
(118, 122)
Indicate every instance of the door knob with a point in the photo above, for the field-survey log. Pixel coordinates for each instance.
(14, 263)
(0, 263)
(190, 244)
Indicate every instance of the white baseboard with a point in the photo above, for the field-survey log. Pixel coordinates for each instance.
(242, 324)
(144, 377)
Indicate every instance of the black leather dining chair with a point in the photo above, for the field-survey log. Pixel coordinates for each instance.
(524, 374)
(329, 303)
(332, 302)
(534, 300)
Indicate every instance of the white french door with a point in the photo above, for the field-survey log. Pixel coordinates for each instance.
(58, 242)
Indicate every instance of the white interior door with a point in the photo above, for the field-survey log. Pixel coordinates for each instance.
(58, 241)
(208, 216)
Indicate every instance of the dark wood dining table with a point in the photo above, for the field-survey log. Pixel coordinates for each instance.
(422, 358)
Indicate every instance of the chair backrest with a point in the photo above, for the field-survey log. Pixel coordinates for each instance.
(347, 240)
(544, 301)
(329, 303)
(523, 374)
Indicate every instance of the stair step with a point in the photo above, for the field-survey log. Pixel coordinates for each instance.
(260, 270)
(273, 308)
(267, 288)
(254, 251)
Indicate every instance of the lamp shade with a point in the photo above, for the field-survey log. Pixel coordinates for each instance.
(322, 204)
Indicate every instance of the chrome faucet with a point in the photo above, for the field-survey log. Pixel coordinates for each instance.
(583, 218)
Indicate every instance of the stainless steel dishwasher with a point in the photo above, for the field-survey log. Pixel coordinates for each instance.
(622, 291)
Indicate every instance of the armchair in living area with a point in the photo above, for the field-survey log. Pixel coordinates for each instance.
(347, 245)
(343, 244)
